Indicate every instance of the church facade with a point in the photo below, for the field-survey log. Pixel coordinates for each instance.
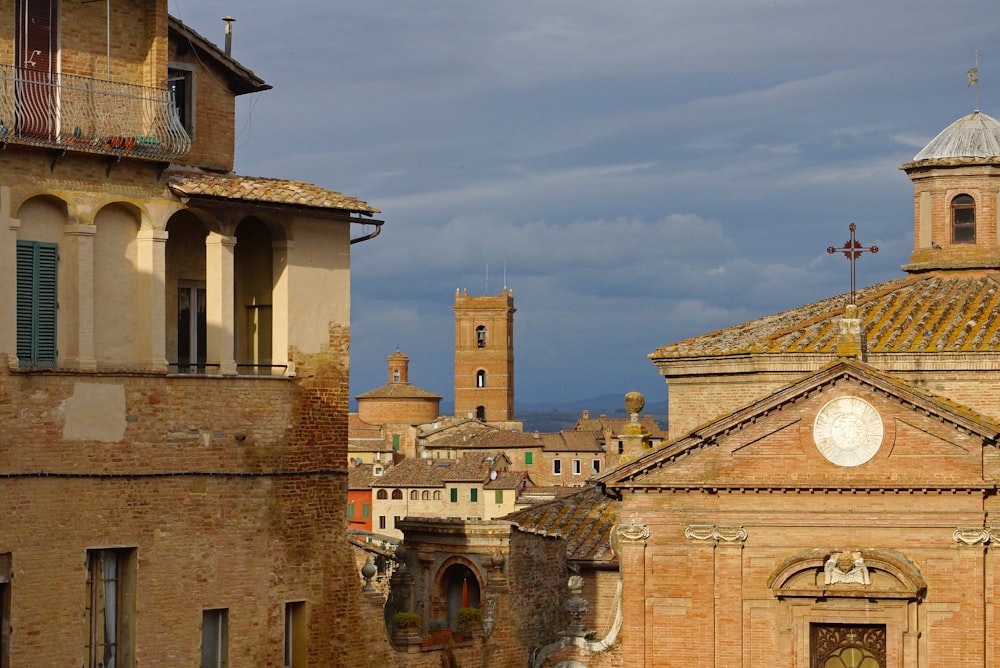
(829, 495)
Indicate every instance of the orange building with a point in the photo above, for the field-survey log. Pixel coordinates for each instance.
(484, 356)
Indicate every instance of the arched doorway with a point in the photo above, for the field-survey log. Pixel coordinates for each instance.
(459, 589)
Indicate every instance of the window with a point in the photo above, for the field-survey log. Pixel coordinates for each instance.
(527, 457)
(414, 495)
(395, 521)
(395, 442)
(110, 607)
(437, 495)
(36, 43)
(192, 327)
(36, 303)
(480, 412)
(381, 521)
(366, 510)
(556, 467)
(454, 495)
(215, 638)
(963, 216)
(480, 378)
(381, 495)
(481, 336)
(295, 635)
(597, 467)
(621, 448)
(350, 510)
(474, 495)
(498, 496)
(425, 495)
(180, 83)
(576, 467)
(395, 375)
(397, 495)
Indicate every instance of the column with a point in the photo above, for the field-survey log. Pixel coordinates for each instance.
(632, 568)
(281, 250)
(151, 320)
(8, 267)
(80, 253)
(219, 313)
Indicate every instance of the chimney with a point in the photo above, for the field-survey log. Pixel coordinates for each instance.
(229, 34)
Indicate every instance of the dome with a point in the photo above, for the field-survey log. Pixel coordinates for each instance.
(974, 136)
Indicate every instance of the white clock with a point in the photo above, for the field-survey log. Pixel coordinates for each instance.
(848, 431)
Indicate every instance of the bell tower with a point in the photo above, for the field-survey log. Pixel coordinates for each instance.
(484, 356)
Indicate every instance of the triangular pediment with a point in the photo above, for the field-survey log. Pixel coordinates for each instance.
(846, 425)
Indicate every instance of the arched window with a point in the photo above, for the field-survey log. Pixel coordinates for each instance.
(397, 494)
(382, 494)
(414, 495)
(963, 220)
(437, 495)
(480, 378)
(395, 375)
(481, 336)
(425, 495)
(480, 412)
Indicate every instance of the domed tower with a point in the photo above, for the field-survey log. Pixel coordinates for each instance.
(956, 180)
(484, 356)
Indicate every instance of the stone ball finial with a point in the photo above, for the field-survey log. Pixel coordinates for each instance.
(634, 402)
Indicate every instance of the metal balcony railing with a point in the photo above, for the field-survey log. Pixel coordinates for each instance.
(71, 112)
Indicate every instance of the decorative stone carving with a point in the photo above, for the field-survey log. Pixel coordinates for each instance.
(632, 532)
(846, 567)
(848, 431)
(489, 614)
(972, 536)
(711, 532)
(634, 403)
(576, 606)
(368, 571)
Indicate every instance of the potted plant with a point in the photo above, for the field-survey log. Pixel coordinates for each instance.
(470, 621)
(406, 620)
(439, 631)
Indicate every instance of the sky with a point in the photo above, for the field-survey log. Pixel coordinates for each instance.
(637, 172)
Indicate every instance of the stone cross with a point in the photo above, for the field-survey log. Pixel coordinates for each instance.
(852, 250)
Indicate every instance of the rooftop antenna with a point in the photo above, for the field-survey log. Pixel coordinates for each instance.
(973, 75)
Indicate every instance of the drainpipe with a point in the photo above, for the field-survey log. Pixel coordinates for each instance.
(371, 235)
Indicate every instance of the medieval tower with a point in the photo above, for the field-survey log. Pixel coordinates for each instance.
(484, 356)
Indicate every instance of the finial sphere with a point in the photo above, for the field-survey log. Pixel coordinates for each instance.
(634, 402)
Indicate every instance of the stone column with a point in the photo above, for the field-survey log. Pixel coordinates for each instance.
(151, 318)
(279, 304)
(8, 267)
(219, 312)
(80, 253)
(631, 548)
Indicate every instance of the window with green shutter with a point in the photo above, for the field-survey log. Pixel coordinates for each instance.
(499, 496)
(395, 442)
(36, 303)
(473, 495)
(527, 457)
(454, 495)
(366, 510)
(350, 510)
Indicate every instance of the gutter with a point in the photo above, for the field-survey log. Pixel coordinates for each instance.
(371, 235)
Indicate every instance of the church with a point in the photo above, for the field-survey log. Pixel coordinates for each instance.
(828, 498)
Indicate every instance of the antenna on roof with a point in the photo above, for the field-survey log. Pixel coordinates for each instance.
(973, 75)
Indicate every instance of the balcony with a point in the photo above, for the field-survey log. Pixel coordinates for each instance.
(69, 112)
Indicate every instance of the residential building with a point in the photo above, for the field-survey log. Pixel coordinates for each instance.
(173, 361)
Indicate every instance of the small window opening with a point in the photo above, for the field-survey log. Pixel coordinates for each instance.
(481, 336)
(480, 378)
(963, 215)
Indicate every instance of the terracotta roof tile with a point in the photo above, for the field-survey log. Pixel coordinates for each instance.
(263, 190)
(957, 312)
(359, 429)
(583, 519)
(398, 391)
(360, 477)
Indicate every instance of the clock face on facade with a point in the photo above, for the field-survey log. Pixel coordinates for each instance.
(848, 431)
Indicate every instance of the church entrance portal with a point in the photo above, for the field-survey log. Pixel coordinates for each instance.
(847, 646)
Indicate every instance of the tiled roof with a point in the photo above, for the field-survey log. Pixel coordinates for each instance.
(583, 519)
(492, 439)
(974, 136)
(241, 79)
(398, 391)
(953, 312)
(262, 191)
(507, 480)
(360, 477)
(359, 429)
(414, 472)
(572, 441)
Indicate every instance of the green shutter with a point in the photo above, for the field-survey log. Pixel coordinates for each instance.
(473, 495)
(395, 442)
(37, 302)
(454, 495)
(350, 511)
(366, 510)
(499, 496)
(527, 457)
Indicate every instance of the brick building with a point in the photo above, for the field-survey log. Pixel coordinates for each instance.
(829, 495)
(174, 369)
